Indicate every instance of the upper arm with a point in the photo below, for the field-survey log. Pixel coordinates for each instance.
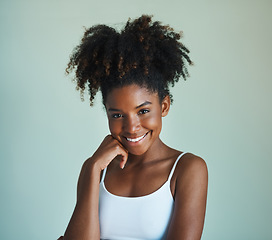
(82, 172)
(80, 182)
(190, 200)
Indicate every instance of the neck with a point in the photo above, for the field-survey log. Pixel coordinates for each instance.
(156, 151)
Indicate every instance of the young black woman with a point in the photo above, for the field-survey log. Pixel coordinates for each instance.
(135, 186)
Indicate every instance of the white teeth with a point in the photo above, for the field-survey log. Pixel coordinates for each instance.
(136, 139)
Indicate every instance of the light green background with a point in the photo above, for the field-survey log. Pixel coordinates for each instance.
(222, 113)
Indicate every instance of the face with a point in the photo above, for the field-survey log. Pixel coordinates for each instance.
(135, 117)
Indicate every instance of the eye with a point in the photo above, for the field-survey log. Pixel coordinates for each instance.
(143, 111)
(116, 115)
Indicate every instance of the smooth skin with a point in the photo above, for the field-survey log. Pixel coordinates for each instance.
(139, 168)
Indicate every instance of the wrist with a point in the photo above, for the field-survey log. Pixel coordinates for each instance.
(98, 162)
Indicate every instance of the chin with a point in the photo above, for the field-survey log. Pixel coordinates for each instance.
(138, 151)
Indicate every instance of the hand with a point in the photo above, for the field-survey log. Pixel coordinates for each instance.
(109, 149)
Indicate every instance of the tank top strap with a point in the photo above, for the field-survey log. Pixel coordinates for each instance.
(174, 166)
(103, 175)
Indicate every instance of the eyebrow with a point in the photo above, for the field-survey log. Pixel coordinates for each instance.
(139, 106)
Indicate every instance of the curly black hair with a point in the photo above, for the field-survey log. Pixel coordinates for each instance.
(145, 53)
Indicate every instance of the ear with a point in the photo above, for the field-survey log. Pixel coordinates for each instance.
(165, 105)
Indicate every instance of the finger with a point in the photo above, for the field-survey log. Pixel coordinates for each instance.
(118, 142)
(123, 161)
(122, 152)
(124, 157)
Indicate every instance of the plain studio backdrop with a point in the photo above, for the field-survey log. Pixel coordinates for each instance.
(221, 113)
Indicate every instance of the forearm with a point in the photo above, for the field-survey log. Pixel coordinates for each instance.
(84, 223)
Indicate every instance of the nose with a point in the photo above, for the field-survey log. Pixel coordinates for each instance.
(131, 124)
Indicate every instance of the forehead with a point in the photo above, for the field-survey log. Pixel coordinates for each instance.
(130, 96)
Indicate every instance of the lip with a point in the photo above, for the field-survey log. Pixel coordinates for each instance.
(136, 140)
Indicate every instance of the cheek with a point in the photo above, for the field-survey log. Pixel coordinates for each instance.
(114, 127)
(154, 121)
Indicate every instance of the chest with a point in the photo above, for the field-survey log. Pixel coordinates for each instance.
(140, 180)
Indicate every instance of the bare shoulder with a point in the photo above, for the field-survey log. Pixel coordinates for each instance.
(192, 167)
(192, 162)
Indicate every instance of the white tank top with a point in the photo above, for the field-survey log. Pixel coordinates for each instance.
(136, 218)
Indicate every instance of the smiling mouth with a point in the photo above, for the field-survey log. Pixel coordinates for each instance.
(134, 140)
